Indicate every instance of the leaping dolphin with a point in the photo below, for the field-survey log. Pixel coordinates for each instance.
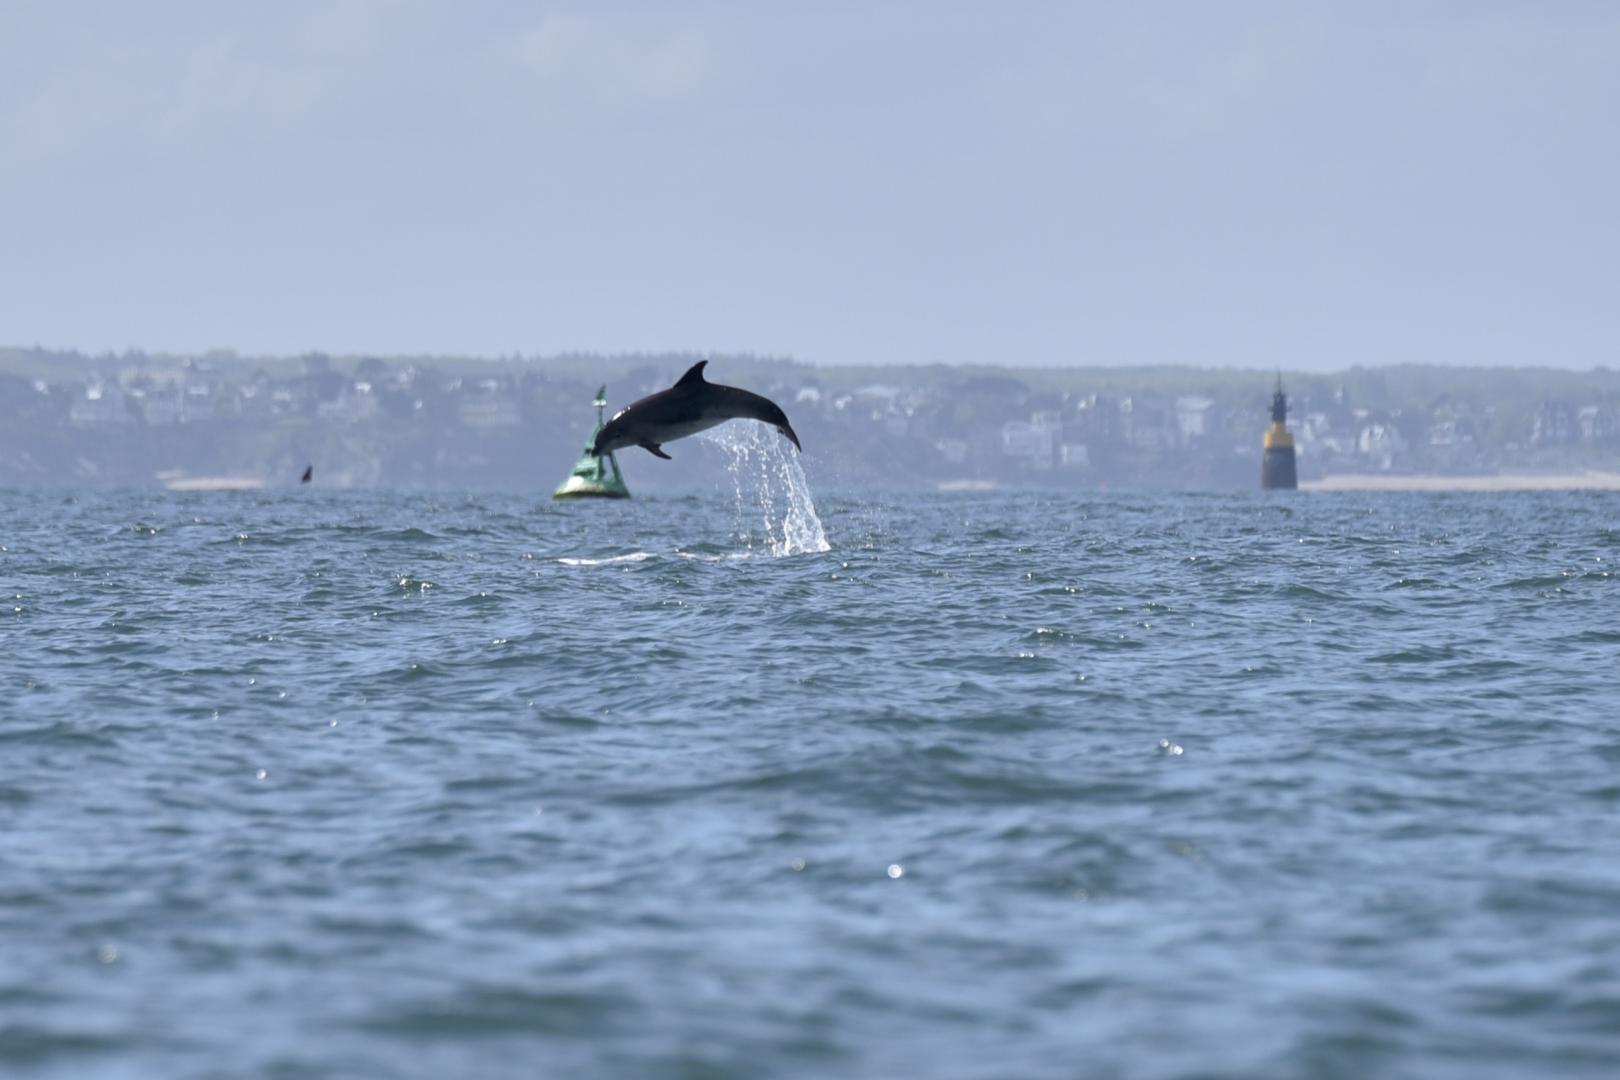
(692, 405)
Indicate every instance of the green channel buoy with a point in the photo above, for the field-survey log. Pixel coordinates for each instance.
(594, 477)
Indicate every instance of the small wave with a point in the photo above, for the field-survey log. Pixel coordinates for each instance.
(481, 598)
(30, 1044)
(1417, 654)
(1592, 637)
(1294, 593)
(500, 1010)
(1542, 582)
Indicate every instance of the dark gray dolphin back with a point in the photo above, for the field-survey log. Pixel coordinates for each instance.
(750, 406)
(692, 404)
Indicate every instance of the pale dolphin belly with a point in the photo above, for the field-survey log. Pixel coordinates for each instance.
(682, 428)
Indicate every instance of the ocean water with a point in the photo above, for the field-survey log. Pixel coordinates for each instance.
(311, 784)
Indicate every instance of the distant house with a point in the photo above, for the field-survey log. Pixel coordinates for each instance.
(1032, 442)
(287, 401)
(199, 403)
(484, 406)
(1382, 444)
(355, 404)
(161, 405)
(1095, 421)
(1555, 424)
(101, 405)
(1192, 417)
(1147, 426)
(1596, 424)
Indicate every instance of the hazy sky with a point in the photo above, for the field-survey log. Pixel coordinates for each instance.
(1290, 184)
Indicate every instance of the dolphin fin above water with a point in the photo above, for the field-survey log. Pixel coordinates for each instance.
(692, 405)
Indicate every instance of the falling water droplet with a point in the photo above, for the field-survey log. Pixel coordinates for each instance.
(769, 481)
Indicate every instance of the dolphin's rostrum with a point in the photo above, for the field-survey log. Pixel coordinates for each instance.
(692, 405)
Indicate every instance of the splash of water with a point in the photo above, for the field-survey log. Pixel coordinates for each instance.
(770, 483)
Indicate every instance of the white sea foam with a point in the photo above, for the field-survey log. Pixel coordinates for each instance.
(770, 487)
(634, 556)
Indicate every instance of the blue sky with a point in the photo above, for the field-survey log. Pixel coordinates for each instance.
(1296, 185)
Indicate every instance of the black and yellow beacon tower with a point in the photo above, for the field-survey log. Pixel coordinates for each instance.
(1277, 466)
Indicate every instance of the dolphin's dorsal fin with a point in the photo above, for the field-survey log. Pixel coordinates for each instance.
(693, 376)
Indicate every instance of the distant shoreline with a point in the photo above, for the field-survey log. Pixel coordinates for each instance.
(1586, 480)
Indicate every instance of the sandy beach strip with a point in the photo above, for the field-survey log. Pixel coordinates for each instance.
(1588, 480)
(213, 483)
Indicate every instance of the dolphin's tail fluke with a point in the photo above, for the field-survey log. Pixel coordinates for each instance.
(787, 429)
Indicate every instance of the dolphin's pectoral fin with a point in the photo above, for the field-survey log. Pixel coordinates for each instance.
(693, 376)
(656, 451)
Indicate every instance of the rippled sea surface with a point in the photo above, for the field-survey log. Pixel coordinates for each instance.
(331, 784)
